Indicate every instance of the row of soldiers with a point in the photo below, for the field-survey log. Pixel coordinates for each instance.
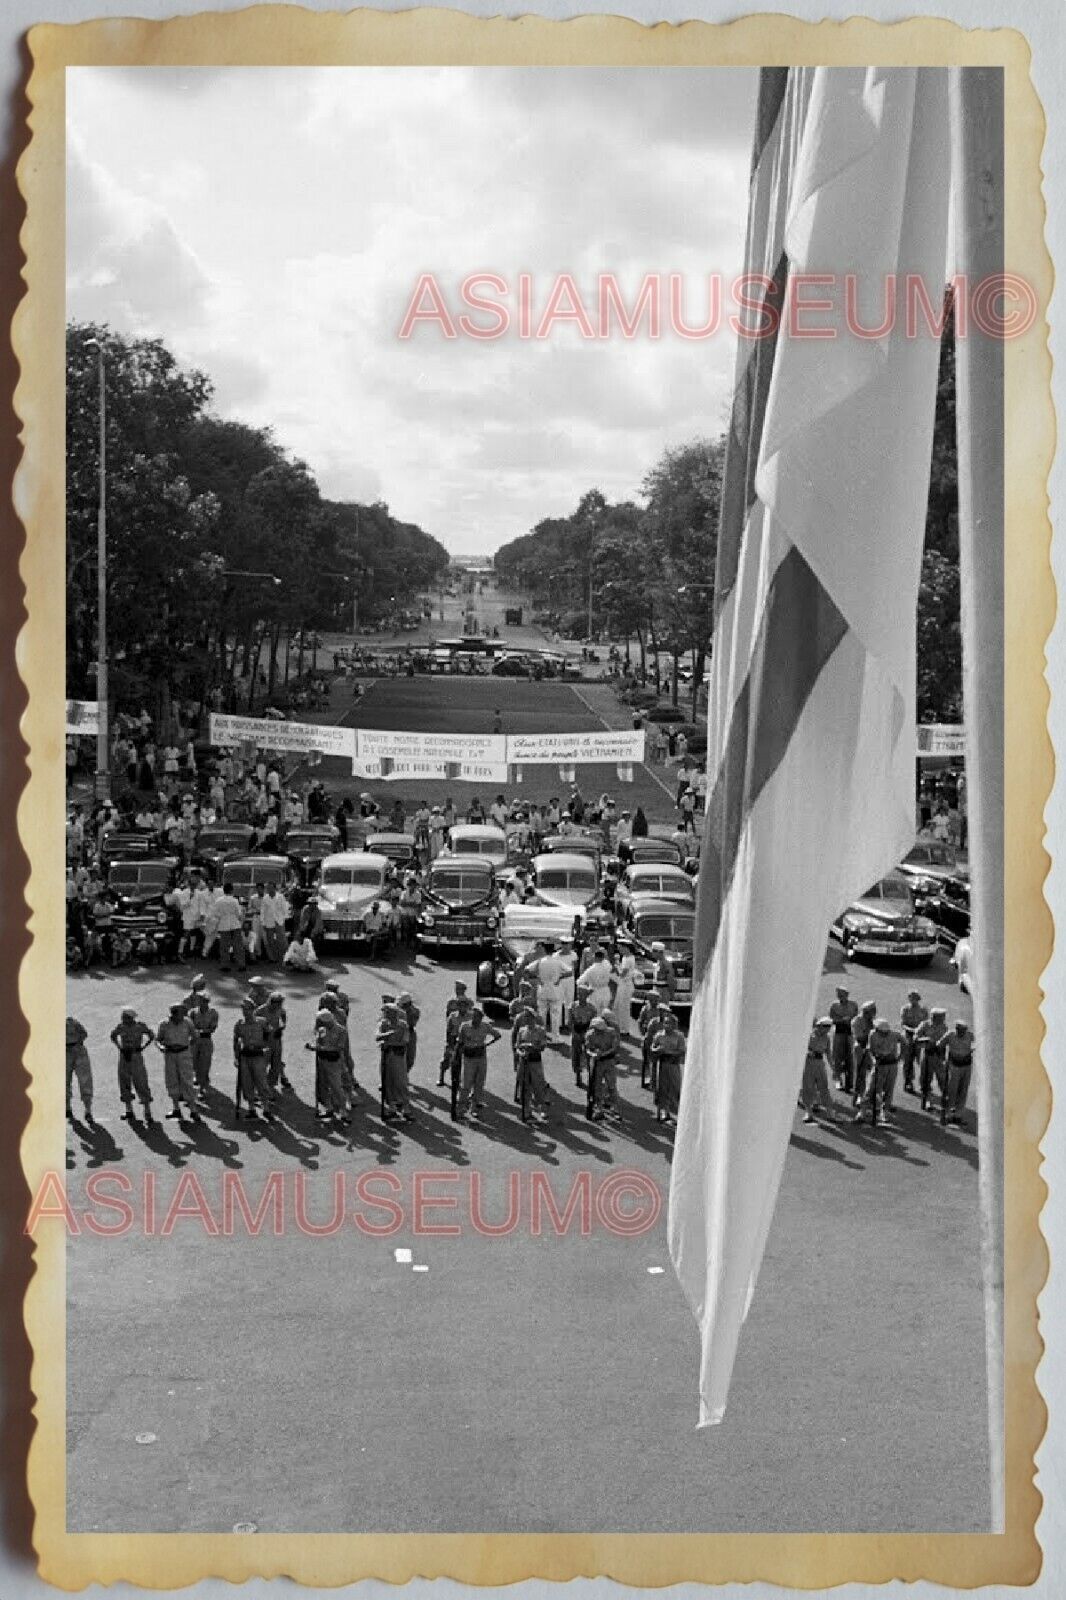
(864, 1054)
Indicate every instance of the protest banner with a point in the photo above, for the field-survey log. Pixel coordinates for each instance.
(268, 734)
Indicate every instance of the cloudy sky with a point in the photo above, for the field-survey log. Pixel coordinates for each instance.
(271, 225)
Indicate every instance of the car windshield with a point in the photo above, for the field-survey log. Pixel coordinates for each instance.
(309, 841)
(676, 929)
(653, 852)
(894, 889)
(221, 838)
(359, 877)
(463, 845)
(931, 855)
(460, 886)
(650, 882)
(139, 875)
(575, 877)
(249, 873)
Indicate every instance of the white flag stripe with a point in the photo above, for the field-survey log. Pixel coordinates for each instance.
(811, 706)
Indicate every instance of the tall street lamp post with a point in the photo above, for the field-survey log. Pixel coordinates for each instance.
(103, 749)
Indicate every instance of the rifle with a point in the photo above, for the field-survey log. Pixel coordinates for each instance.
(457, 1074)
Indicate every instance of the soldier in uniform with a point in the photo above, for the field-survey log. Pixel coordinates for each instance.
(911, 1017)
(861, 1026)
(275, 1020)
(931, 1041)
(452, 1052)
(601, 1045)
(814, 1093)
(475, 1036)
(203, 1019)
(174, 1037)
(335, 1000)
(451, 1007)
(581, 1015)
(883, 1047)
(842, 1014)
(668, 1055)
(251, 1055)
(530, 1039)
(197, 987)
(411, 1014)
(959, 1062)
(525, 1000)
(392, 1035)
(330, 1044)
(79, 1066)
(649, 1022)
(130, 1037)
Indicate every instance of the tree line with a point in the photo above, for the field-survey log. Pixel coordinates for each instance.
(194, 504)
(644, 572)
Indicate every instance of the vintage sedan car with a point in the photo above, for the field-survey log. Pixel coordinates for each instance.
(244, 872)
(652, 880)
(885, 923)
(589, 844)
(308, 845)
(458, 903)
(634, 852)
(566, 879)
(128, 844)
(950, 909)
(673, 925)
(926, 866)
(478, 839)
(521, 926)
(142, 887)
(399, 848)
(217, 840)
(348, 884)
(962, 961)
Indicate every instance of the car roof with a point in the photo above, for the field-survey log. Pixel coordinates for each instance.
(388, 837)
(227, 827)
(145, 861)
(355, 858)
(536, 922)
(638, 869)
(562, 858)
(649, 907)
(482, 863)
(257, 858)
(481, 830)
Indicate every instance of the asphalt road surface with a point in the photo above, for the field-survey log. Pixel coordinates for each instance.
(528, 1381)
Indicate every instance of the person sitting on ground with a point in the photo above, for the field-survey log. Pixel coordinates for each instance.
(301, 956)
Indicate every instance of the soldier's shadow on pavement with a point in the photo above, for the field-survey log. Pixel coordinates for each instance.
(156, 1139)
(208, 1141)
(824, 1152)
(874, 1141)
(501, 1122)
(97, 1143)
(925, 1128)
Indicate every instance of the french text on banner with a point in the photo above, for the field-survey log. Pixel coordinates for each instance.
(614, 748)
(267, 734)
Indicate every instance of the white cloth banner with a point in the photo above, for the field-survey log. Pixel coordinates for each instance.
(269, 734)
(609, 746)
(941, 739)
(432, 749)
(83, 717)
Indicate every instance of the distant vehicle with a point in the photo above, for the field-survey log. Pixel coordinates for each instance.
(308, 846)
(950, 909)
(478, 839)
(142, 887)
(512, 667)
(926, 866)
(126, 844)
(633, 852)
(884, 922)
(348, 884)
(569, 880)
(458, 903)
(672, 925)
(962, 961)
(398, 847)
(216, 840)
(575, 844)
(652, 880)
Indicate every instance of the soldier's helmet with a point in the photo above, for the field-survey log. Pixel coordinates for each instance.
(937, 1011)
(128, 1014)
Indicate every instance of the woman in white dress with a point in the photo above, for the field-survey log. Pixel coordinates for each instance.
(625, 987)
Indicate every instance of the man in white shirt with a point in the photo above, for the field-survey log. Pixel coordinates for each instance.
(229, 916)
(596, 979)
(551, 971)
(498, 811)
(301, 956)
(273, 914)
(624, 829)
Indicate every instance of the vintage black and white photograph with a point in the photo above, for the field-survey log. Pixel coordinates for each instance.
(534, 546)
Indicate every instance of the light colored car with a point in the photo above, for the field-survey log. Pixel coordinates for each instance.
(348, 884)
(962, 961)
(652, 880)
(884, 922)
(478, 839)
(562, 879)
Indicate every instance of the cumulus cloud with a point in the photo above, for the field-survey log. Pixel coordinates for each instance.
(271, 225)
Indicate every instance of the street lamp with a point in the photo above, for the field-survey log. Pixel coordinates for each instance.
(103, 752)
(346, 577)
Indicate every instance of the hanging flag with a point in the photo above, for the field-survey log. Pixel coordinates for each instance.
(810, 754)
(625, 773)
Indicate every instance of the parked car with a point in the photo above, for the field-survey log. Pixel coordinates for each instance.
(520, 927)
(142, 886)
(632, 852)
(568, 879)
(884, 922)
(673, 925)
(926, 866)
(243, 872)
(589, 845)
(216, 840)
(399, 848)
(950, 909)
(512, 667)
(652, 880)
(962, 961)
(308, 846)
(458, 903)
(478, 839)
(348, 884)
(128, 845)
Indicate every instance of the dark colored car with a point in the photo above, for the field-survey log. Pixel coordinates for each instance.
(674, 926)
(927, 866)
(575, 844)
(884, 922)
(216, 840)
(243, 872)
(950, 910)
(458, 903)
(398, 847)
(308, 846)
(521, 926)
(141, 887)
(128, 844)
(511, 667)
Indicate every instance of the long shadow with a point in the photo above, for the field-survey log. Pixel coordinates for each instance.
(439, 1137)
(501, 1122)
(824, 1152)
(873, 1141)
(156, 1139)
(926, 1128)
(97, 1143)
(208, 1142)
